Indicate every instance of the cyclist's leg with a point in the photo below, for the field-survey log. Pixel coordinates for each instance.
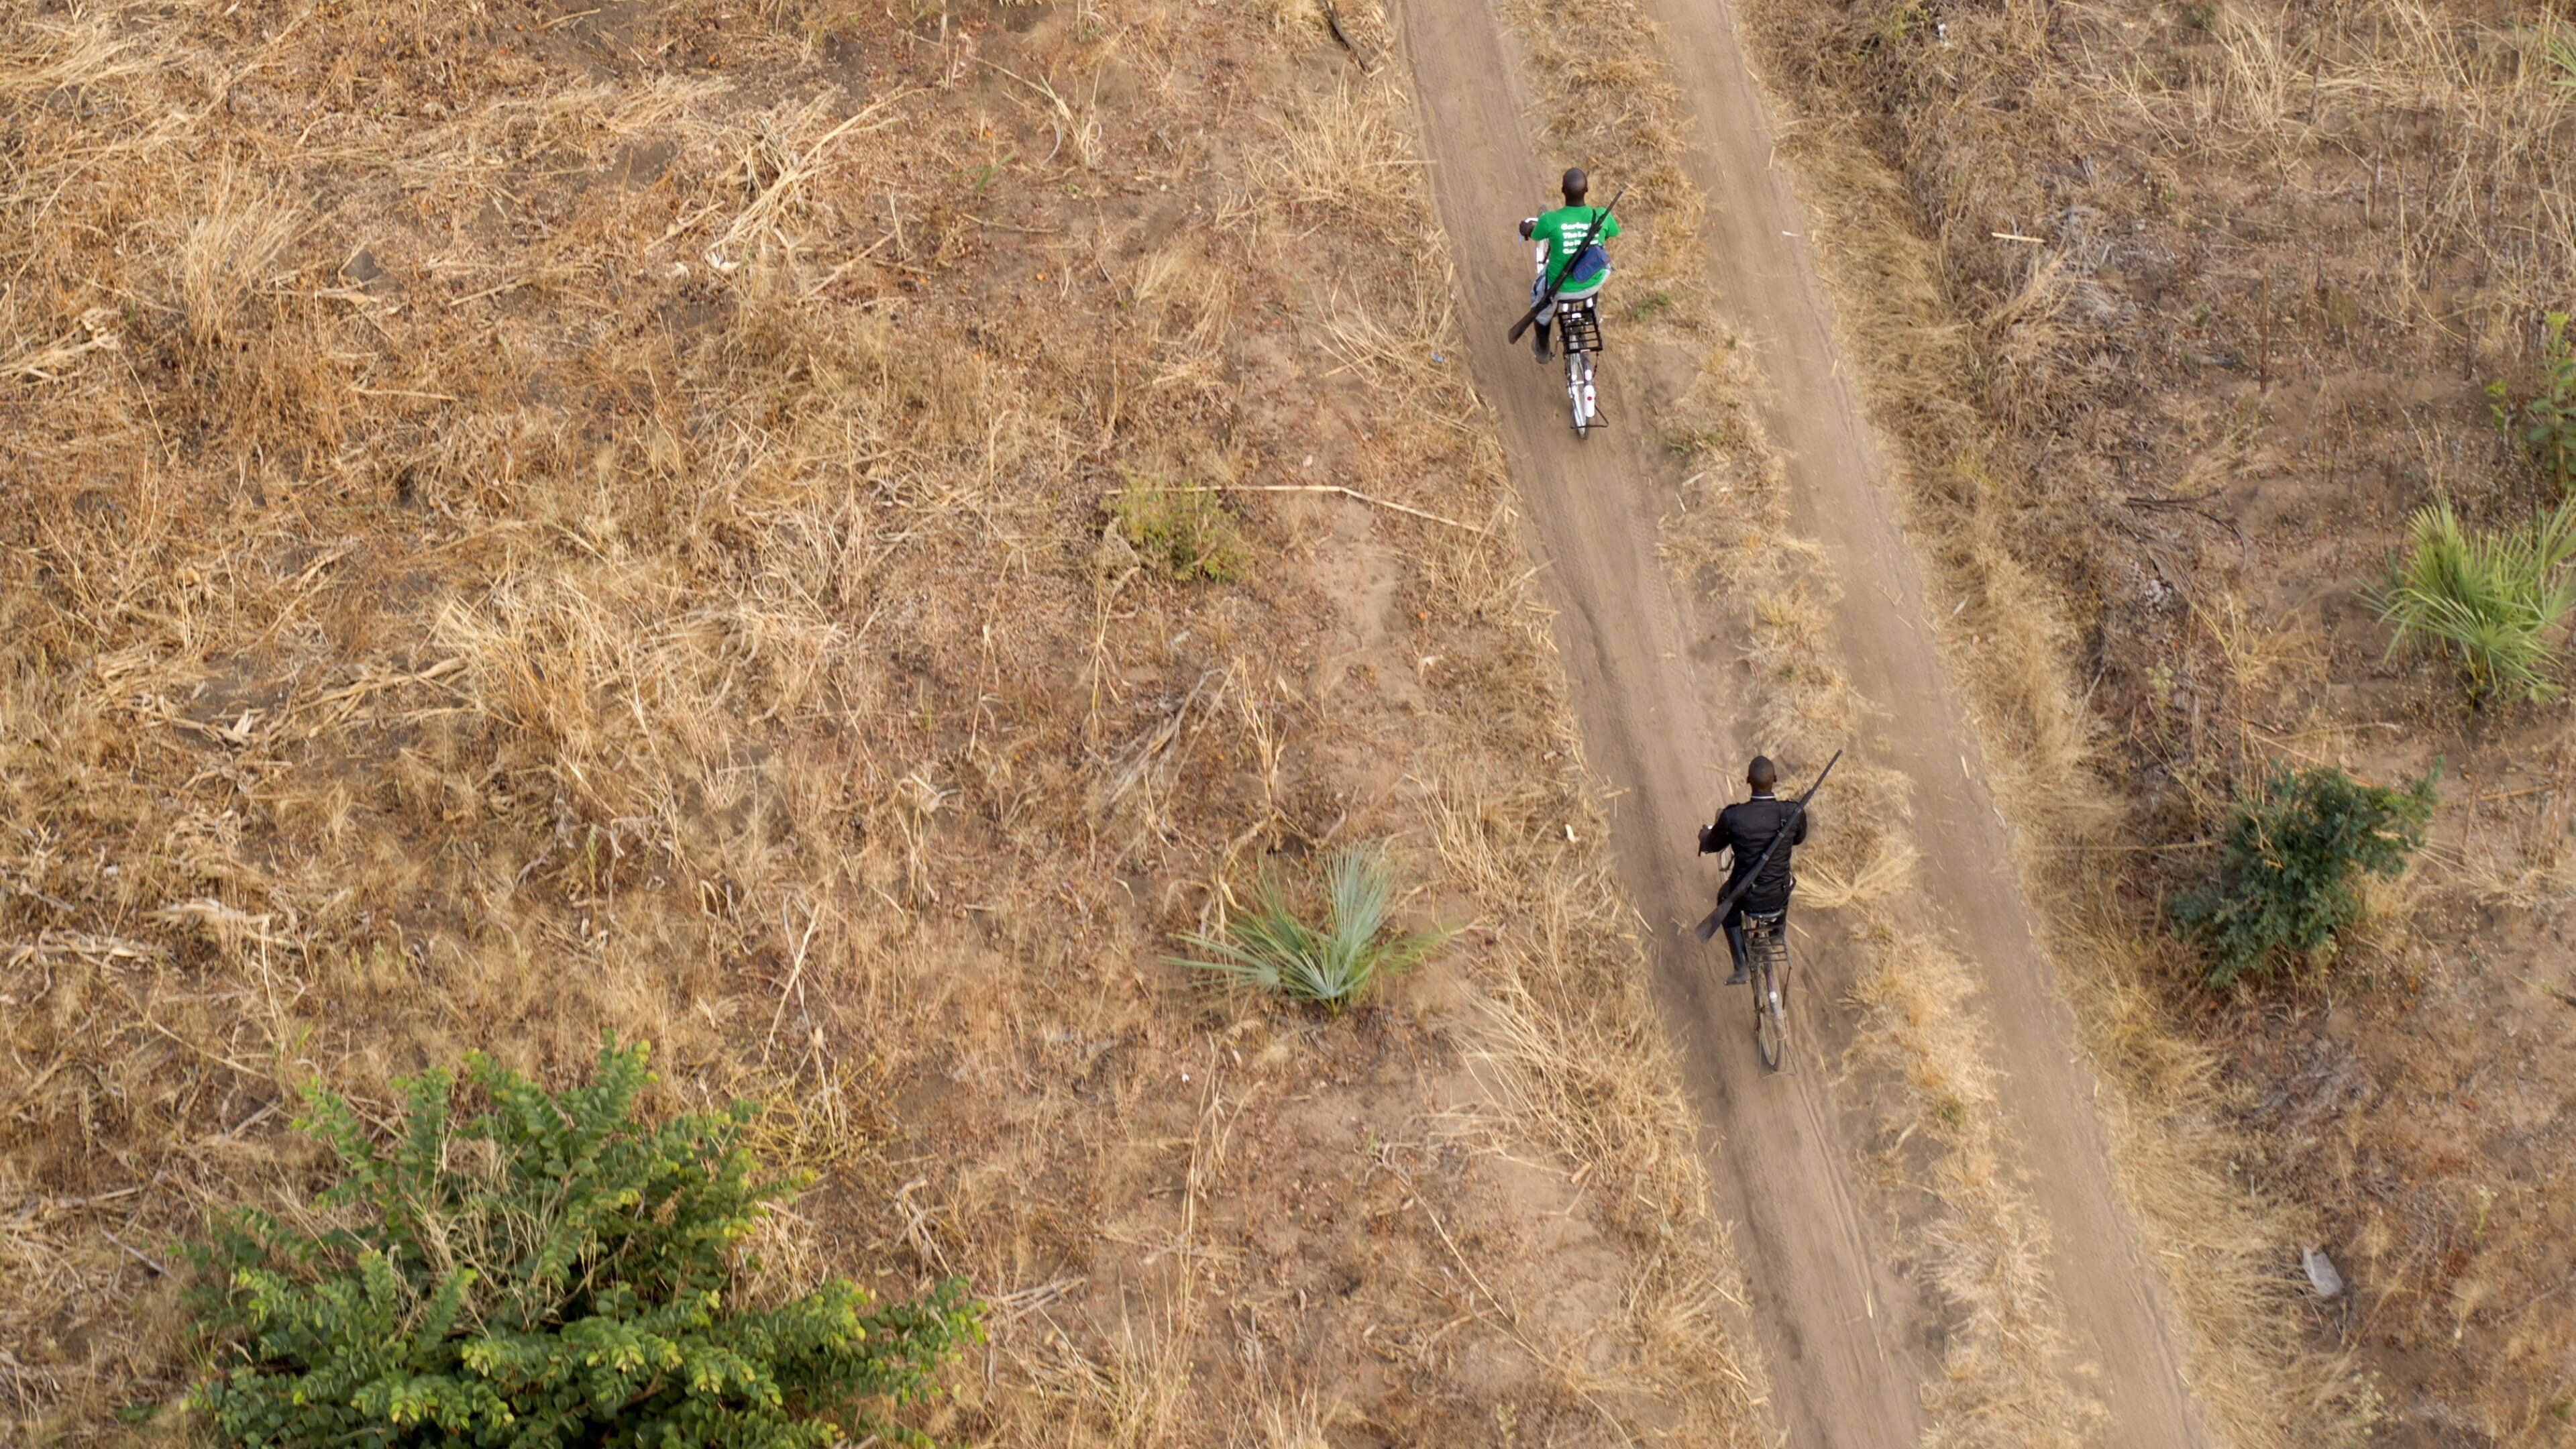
(1735, 946)
(1538, 334)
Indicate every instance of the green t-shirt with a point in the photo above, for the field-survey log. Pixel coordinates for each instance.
(1563, 229)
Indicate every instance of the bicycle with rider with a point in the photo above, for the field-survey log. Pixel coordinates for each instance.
(1747, 828)
(1575, 268)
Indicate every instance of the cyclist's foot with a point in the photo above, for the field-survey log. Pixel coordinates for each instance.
(1739, 978)
(1538, 348)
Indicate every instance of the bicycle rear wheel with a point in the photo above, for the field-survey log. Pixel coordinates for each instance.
(1770, 953)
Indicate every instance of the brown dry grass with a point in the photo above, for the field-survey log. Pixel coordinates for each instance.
(523, 524)
(2008, 1373)
(2167, 344)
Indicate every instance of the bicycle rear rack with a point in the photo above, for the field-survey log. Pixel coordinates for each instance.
(1578, 326)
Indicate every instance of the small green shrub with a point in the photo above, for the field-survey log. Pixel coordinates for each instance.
(2560, 48)
(2492, 598)
(2545, 422)
(549, 1272)
(1182, 533)
(2290, 865)
(1333, 964)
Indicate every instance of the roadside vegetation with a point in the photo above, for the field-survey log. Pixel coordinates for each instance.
(1331, 964)
(528, 521)
(550, 1270)
(2237, 303)
(2290, 867)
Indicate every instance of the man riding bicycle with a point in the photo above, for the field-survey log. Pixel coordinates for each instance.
(1576, 270)
(1747, 828)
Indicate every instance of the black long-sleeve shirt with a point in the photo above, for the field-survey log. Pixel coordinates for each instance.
(1746, 827)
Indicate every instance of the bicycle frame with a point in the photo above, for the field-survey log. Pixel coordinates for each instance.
(1578, 330)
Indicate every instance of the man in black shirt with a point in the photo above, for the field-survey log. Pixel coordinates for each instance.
(1747, 828)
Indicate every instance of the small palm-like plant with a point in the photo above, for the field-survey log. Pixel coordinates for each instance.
(1272, 946)
(2495, 599)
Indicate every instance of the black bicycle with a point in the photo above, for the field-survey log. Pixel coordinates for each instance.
(1766, 935)
(1766, 959)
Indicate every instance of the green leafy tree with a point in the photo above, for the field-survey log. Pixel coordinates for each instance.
(548, 1272)
(2290, 867)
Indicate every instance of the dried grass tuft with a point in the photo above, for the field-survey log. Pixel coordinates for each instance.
(1570, 1053)
(2007, 1374)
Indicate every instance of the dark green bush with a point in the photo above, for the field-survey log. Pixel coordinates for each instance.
(548, 1272)
(2290, 866)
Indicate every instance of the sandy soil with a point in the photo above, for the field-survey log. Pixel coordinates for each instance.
(1848, 1340)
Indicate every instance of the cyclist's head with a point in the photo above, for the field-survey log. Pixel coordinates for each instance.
(1575, 184)
(1761, 774)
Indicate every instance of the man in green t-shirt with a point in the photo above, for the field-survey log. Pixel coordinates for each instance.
(1580, 269)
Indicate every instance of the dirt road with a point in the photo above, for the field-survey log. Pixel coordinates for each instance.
(1847, 1341)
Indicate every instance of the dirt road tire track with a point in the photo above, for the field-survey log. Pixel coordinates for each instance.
(1845, 1346)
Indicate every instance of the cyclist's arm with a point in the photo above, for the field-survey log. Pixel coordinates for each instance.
(1718, 838)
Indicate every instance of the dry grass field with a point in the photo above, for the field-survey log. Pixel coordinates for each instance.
(2175, 312)
(524, 521)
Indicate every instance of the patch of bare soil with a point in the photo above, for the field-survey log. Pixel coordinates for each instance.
(526, 521)
(2179, 311)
